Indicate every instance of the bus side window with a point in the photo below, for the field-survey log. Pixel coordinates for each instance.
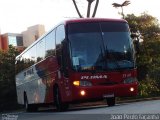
(40, 50)
(17, 64)
(60, 36)
(50, 44)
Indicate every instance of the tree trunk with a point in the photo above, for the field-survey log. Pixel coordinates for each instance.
(74, 2)
(88, 10)
(95, 8)
(122, 12)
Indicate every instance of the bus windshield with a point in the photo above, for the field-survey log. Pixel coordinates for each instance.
(100, 46)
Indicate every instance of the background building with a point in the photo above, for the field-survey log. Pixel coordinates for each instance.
(13, 39)
(3, 42)
(23, 40)
(32, 34)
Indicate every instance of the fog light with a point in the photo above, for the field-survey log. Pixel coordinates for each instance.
(131, 89)
(83, 92)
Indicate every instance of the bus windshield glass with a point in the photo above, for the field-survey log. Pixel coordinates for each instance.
(100, 46)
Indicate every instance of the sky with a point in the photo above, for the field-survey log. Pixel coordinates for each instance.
(17, 15)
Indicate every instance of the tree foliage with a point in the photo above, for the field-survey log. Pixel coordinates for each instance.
(125, 3)
(146, 24)
(148, 60)
(7, 77)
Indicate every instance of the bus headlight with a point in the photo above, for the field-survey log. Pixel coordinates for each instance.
(130, 80)
(82, 83)
(76, 83)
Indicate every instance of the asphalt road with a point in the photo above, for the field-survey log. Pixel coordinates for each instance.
(143, 110)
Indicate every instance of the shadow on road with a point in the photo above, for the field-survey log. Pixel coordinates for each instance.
(76, 108)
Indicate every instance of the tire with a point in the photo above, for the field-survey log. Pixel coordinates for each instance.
(29, 107)
(111, 101)
(58, 102)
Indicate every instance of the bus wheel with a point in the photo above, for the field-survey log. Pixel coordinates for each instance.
(111, 101)
(58, 102)
(28, 107)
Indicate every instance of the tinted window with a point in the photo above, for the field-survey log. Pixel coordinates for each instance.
(32, 54)
(114, 27)
(60, 35)
(74, 28)
(19, 65)
(87, 53)
(100, 45)
(50, 44)
(12, 40)
(40, 50)
(118, 45)
(19, 41)
(26, 60)
(86, 46)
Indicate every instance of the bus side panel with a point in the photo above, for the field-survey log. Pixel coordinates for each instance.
(51, 76)
(30, 83)
(20, 87)
(47, 71)
(37, 81)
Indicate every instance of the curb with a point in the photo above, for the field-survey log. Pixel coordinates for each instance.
(117, 102)
(138, 100)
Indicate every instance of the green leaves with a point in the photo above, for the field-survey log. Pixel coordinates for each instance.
(145, 23)
(148, 60)
(148, 87)
(7, 77)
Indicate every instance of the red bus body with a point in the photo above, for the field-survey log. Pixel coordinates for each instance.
(37, 82)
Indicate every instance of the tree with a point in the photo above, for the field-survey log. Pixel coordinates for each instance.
(88, 9)
(7, 78)
(74, 2)
(148, 60)
(125, 3)
(146, 24)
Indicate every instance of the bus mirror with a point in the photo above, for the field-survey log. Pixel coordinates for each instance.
(136, 46)
(63, 69)
(66, 72)
(59, 59)
(135, 37)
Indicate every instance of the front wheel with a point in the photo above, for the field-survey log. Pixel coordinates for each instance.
(59, 105)
(111, 101)
(29, 107)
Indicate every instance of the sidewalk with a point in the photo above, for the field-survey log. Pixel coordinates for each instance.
(138, 100)
(117, 102)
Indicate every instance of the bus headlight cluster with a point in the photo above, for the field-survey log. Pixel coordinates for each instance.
(82, 83)
(130, 80)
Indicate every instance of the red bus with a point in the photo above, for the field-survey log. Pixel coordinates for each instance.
(79, 60)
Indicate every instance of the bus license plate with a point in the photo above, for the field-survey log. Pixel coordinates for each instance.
(108, 95)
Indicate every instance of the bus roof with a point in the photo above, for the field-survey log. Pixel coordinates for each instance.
(65, 22)
(93, 20)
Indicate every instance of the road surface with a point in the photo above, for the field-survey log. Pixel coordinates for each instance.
(137, 110)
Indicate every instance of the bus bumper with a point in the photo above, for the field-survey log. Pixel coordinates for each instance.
(100, 92)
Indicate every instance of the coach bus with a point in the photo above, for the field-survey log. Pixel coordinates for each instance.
(79, 60)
